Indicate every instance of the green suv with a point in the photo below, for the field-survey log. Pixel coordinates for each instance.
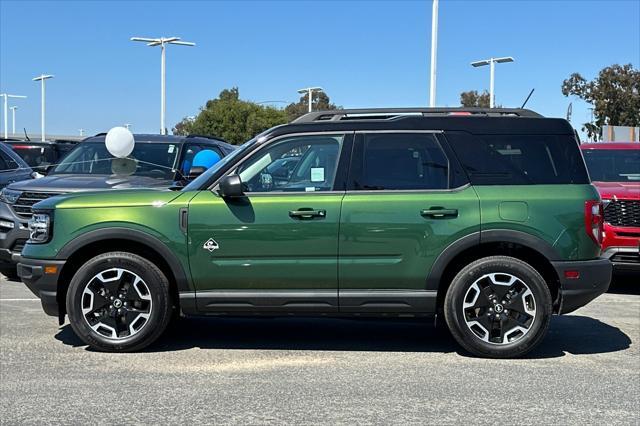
(484, 217)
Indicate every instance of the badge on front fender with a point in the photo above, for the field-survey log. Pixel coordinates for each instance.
(211, 245)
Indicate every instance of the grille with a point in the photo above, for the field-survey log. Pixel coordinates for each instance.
(623, 213)
(22, 206)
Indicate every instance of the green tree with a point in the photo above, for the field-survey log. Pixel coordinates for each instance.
(320, 102)
(614, 94)
(474, 99)
(231, 118)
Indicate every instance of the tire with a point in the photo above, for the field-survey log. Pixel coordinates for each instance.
(10, 271)
(485, 326)
(111, 310)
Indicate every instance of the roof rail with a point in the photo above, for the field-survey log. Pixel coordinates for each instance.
(389, 113)
(205, 137)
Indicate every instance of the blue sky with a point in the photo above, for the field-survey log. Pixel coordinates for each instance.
(364, 53)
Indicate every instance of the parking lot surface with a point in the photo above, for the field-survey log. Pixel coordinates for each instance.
(309, 371)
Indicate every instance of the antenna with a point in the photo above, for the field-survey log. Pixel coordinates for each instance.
(527, 100)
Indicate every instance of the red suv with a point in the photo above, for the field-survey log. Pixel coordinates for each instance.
(615, 171)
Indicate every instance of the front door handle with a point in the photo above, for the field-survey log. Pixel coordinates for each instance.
(305, 213)
(439, 213)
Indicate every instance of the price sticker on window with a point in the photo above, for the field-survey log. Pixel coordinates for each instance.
(317, 174)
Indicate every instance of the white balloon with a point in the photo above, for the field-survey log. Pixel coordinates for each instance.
(119, 142)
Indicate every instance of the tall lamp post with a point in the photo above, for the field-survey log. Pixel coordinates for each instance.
(162, 42)
(434, 53)
(6, 97)
(13, 119)
(41, 78)
(310, 91)
(492, 64)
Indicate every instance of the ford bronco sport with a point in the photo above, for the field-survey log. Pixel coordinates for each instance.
(486, 217)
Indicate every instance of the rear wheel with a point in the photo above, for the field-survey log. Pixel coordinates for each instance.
(498, 307)
(119, 302)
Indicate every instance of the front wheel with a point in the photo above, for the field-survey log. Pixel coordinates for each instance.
(498, 307)
(119, 302)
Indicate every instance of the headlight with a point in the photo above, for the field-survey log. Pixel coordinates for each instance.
(9, 196)
(39, 228)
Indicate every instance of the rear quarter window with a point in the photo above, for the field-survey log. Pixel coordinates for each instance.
(519, 159)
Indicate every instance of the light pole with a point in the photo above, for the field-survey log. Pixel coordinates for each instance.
(41, 78)
(162, 42)
(6, 107)
(310, 91)
(434, 53)
(492, 64)
(13, 119)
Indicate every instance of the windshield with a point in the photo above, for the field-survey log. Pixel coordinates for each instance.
(38, 157)
(154, 160)
(203, 178)
(613, 165)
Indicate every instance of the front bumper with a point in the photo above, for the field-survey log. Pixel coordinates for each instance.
(43, 284)
(593, 279)
(12, 237)
(624, 258)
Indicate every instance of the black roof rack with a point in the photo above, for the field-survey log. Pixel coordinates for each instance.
(391, 113)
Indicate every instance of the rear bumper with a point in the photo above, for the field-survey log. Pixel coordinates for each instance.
(594, 277)
(44, 285)
(624, 258)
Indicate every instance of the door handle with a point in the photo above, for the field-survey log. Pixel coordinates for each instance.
(307, 214)
(439, 213)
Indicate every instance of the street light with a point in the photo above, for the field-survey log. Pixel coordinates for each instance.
(434, 53)
(162, 42)
(41, 78)
(492, 63)
(6, 107)
(13, 119)
(310, 91)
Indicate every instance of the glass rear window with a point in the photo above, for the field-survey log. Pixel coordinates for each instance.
(519, 159)
(613, 165)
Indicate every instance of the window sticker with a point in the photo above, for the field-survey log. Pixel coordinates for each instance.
(171, 149)
(310, 188)
(317, 174)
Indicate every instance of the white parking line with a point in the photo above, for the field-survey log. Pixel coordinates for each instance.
(16, 300)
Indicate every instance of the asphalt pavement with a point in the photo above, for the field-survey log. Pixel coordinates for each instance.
(320, 371)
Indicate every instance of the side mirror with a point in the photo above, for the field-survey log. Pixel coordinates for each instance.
(231, 187)
(196, 171)
(48, 168)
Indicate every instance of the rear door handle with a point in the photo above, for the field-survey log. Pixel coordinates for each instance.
(307, 214)
(439, 213)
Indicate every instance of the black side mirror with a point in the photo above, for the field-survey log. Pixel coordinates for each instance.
(48, 168)
(231, 187)
(196, 171)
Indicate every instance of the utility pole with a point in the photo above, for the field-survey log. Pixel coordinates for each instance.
(162, 42)
(434, 53)
(309, 91)
(41, 78)
(492, 65)
(6, 97)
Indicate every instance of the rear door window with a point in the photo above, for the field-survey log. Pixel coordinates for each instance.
(519, 159)
(399, 161)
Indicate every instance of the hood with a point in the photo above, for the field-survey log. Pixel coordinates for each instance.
(621, 190)
(74, 183)
(115, 198)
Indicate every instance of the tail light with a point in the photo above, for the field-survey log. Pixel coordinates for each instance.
(594, 220)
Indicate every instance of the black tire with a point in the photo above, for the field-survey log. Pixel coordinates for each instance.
(495, 347)
(10, 271)
(160, 306)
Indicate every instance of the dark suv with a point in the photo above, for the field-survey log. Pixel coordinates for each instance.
(41, 156)
(162, 162)
(486, 217)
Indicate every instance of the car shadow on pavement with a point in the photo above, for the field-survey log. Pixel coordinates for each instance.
(567, 334)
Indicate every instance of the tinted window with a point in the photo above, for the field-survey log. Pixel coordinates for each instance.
(613, 165)
(4, 164)
(297, 164)
(37, 156)
(519, 159)
(401, 161)
(190, 151)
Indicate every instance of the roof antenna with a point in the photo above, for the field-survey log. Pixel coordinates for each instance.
(527, 100)
(25, 134)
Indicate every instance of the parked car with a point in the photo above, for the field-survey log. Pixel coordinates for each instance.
(161, 162)
(488, 219)
(12, 167)
(615, 170)
(41, 156)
